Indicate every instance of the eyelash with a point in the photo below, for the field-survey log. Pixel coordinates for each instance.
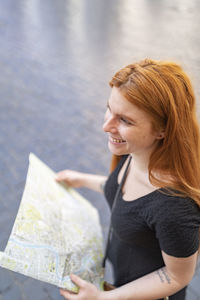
(121, 119)
(125, 121)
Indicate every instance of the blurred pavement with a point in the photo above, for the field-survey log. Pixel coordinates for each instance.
(56, 58)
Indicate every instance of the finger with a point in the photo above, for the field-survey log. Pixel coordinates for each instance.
(60, 176)
(77, 280)
(67, 295)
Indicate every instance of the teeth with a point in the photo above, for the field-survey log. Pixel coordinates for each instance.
(117, 140)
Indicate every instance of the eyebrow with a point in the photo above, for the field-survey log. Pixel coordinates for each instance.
(121, 115)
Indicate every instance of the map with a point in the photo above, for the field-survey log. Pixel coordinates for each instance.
(56, 233)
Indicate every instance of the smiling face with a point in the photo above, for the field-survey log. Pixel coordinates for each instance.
(129, 128)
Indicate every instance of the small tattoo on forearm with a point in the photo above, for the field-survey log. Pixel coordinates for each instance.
(160, 276)
(164, 277)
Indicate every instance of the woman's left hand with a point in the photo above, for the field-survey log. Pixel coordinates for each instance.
(87, 291)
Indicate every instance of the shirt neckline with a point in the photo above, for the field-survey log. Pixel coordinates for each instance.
(141, 197)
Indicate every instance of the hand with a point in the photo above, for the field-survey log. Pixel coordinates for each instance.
(87, 291)
(71, 178)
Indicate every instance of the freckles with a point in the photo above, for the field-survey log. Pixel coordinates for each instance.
(144, 138)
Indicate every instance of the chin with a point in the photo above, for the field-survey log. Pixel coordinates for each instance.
(115, 151)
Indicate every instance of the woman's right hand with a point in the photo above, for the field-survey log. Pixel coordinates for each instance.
(71, 178)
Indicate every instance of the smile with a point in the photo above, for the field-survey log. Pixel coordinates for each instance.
(116, 141)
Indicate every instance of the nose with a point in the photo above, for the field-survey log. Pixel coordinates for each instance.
(109, 124)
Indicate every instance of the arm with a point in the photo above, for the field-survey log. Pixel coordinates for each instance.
(163, 282)
(78, 179)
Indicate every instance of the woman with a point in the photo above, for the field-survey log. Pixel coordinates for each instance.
(151, 119)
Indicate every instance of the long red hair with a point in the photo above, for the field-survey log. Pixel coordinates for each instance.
(163, 90)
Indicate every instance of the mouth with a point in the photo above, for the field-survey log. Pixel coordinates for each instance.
(116, 141)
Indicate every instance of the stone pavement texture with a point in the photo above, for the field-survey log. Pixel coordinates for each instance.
(56, 58)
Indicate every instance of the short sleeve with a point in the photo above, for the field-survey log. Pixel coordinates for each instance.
(176, 223)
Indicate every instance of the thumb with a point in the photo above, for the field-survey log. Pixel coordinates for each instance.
(60, 176)
(77, 280)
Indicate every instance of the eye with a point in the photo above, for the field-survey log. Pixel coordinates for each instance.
(125, 121)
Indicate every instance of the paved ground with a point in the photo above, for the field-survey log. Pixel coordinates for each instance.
(56, 58)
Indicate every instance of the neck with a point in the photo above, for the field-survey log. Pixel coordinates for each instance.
(141, 161)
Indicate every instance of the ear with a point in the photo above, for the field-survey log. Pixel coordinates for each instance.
(160, 135)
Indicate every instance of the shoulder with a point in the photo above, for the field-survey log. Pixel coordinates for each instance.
(176, 222)
(122, 160)
(168, 211)
(115, 172)
(111, 183)
(164, 205)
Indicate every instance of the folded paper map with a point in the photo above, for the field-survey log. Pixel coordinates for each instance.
(56, 232)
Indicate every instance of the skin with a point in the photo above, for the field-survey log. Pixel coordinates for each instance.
(77, 179)
(130, 132)
(125, 121)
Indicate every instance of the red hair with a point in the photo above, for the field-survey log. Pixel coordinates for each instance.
(164, 92)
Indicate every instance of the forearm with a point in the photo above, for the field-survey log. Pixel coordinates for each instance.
(77, 179)
(155, 285)
(94, 182)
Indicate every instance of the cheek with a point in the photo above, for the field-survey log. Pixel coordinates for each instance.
(126, 133)
(148, 139)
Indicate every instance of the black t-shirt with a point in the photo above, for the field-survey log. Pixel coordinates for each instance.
(147, 225)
